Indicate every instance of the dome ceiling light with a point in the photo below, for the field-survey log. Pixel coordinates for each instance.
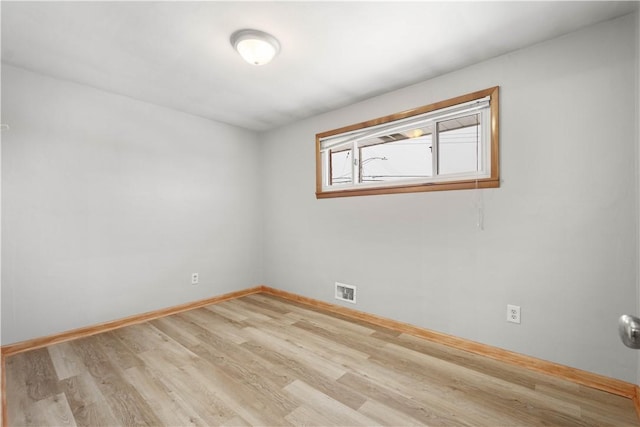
(255, 47)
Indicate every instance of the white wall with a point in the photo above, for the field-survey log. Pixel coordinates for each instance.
(109, 204)
(560, 233)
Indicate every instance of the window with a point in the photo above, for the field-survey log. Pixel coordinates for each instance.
(449, 145)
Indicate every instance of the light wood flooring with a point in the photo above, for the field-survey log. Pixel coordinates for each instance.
(260, 360)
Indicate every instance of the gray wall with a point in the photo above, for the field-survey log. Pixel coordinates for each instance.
(109, 205)
(560, 234)
(638, 163)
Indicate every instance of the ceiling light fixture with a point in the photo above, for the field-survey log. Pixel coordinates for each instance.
(255, 47)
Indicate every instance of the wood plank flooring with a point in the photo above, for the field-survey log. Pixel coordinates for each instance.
(263, 361)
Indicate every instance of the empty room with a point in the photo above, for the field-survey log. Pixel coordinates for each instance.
(320, 213)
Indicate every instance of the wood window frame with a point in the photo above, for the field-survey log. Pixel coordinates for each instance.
(492, 181)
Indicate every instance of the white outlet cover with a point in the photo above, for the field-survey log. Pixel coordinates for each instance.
(513, 313)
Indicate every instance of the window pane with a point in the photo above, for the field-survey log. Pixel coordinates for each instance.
(341, 171)
(459, 142)
(451, 144)
(398, 156)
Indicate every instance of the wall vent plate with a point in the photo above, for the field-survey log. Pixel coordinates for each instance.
(346, 292)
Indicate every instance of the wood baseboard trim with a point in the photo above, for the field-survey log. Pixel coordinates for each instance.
(3, 384)
(636, 401)
(86, 331)
(585, 378)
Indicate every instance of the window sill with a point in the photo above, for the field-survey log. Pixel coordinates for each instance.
(414, 188)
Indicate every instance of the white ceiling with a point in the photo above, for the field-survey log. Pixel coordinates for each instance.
(178, 55)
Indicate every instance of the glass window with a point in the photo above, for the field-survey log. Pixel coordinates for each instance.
(449, 145)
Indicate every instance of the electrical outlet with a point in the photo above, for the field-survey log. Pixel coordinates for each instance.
(194, 278)
(513, 313)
